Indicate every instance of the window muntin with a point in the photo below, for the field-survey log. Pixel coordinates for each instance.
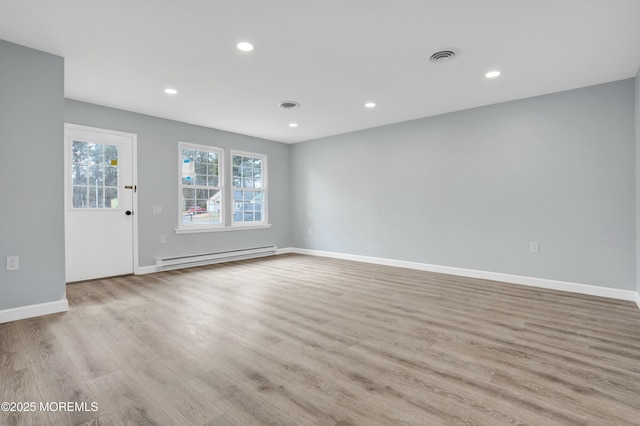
(94, 175)
(248, 175)
(201, 186)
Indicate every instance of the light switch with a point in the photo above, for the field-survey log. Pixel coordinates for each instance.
(157, 209)
(13, 263)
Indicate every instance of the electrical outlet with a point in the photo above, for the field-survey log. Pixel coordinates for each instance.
(534, 247)
(13, 263)
(163, 239)
(157, 209)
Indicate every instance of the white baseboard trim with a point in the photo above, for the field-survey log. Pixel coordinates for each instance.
(591, 290)
(638, 300)
(143, 270)
(30, 311)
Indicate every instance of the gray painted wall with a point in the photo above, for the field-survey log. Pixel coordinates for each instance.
(637, 112)
(31, 210)
(158, 182)
(471, 189)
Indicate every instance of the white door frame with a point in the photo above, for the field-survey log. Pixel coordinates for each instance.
(134, 160)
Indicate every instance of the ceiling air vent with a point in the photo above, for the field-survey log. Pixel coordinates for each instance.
(289, 105)
(442, 56)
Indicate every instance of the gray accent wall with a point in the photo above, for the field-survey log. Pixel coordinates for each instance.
(472, 189)
(158, 181)
(637, 114)
(31, 176)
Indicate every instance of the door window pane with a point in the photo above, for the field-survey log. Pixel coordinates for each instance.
(94, 175)
(111, 176)
(80, 200)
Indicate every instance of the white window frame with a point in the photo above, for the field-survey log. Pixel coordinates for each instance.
(221, 186)
(265, 191)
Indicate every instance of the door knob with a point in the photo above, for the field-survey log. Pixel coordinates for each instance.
(128, 213)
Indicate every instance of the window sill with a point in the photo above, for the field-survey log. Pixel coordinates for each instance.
(221, 229)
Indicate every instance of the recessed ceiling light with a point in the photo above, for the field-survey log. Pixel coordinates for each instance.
(170, 91)
(245, 46)
(293, 124)
(492, 74)
(370, 105)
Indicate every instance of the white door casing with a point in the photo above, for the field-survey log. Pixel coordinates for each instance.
(100, 188)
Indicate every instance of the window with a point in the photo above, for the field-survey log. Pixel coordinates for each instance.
(204, 202)
(249, 181)
(94, 175)
(201, 186)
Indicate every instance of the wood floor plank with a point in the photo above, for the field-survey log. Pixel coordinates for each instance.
(13, 355)
(86, 350)
(18, 386)
(297, 340)
(150, 376)
(123, 404)
(57, 379)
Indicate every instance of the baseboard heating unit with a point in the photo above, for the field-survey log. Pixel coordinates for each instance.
(178, 262)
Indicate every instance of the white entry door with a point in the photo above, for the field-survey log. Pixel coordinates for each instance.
(99, 202)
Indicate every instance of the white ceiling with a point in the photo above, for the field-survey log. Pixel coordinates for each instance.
(330, 55)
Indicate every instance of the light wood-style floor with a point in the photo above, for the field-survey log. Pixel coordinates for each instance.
(298, 340)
